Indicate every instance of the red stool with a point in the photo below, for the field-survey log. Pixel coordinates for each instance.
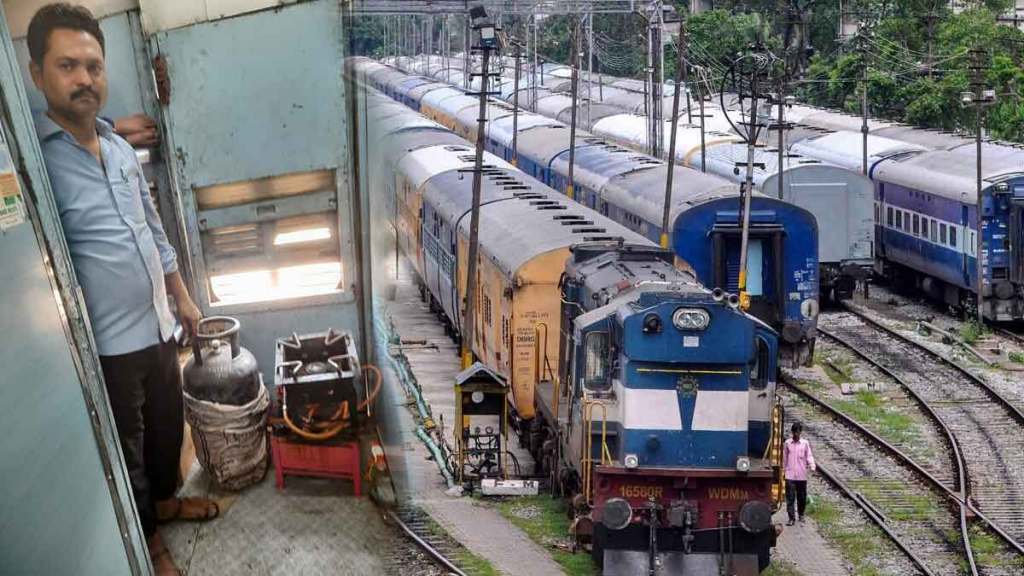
(332, 460)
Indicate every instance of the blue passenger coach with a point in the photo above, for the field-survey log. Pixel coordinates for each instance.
(926, 226)
(629, 188)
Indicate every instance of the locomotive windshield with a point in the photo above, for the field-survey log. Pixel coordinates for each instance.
(596, 363)
(761, 365)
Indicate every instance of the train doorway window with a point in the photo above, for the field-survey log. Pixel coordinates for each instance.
(596, 363)
(755, 268)
(285, 282)
(271, 238)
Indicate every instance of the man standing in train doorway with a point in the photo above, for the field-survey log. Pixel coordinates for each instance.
(797, 460)
(122, 260)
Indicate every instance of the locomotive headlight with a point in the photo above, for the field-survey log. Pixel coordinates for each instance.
(631, 461)
(691, 319)
(743, 464)
(616, 514)
(755, 516)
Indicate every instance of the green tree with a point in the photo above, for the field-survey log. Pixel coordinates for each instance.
(919, 66)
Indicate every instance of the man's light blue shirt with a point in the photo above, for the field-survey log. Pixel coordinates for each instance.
(117, 244)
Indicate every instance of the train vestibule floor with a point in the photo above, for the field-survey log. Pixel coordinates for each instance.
(313, 526)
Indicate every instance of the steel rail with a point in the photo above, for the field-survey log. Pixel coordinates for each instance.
(1005, 403)
(875, 517)
(906, 460)
(965, 478)
(433, 552)
(1019, 339)
(991, 524)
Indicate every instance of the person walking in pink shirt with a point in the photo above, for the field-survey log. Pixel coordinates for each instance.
(797, 459)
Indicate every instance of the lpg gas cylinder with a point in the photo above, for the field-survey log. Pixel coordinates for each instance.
(220, 370)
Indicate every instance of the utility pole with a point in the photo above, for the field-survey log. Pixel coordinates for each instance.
(980, 97)
(515, 107)
(655, 28)
(703, 143)
(573, 45)
(683, 55)
(781, 103)
(748, 184)
(648, 89)
(536, 65)
(667, 208)
(930, 20)
(430, 41)
(474, 221)
(590, 66)
(659, 77)
(862, 48)
(782, 100)
(467, 62)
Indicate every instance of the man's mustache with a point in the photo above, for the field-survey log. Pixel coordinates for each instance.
(84, 92)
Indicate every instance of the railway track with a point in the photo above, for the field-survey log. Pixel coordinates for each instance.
(911, 507)
(1008, 334)
(981, 428)
(422, 532)
(987, 427)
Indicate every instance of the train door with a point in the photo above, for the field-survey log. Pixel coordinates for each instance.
(67, 508)
(764, 269)
(965, 246)
(1017, 240)
(881, 222)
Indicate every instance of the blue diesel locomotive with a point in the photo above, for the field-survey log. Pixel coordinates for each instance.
(671, 470)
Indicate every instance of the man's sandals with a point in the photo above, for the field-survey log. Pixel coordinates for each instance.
(160, 556)
(196, 509)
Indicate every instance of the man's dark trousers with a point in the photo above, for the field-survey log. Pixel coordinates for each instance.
(796, 490)
(144, 388)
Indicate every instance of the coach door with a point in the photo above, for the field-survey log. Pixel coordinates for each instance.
(1016, 240)
(764, 268)
(965, 246)
(881, 222)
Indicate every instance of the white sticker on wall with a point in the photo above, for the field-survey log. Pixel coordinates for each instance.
(12, 210)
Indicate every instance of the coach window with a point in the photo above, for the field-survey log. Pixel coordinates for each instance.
(899, 219)
(934, 231)
(888, 216)
(917, 225)
(952, 236)
(942, 234)
(906, 221)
